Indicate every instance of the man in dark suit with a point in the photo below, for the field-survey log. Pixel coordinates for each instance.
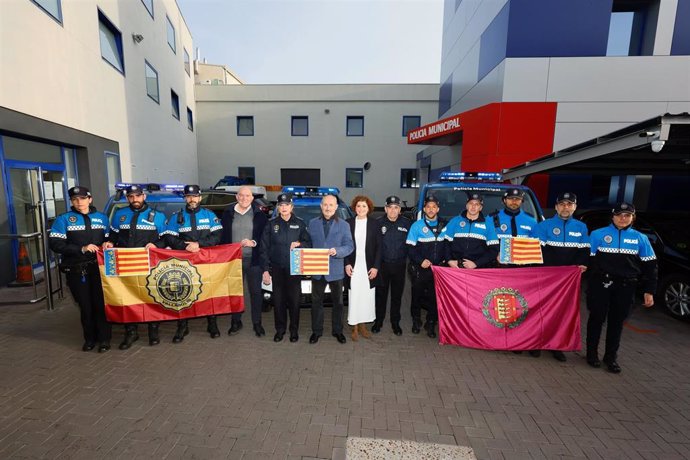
(329, 232)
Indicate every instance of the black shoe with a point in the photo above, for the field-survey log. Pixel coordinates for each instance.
(294, 338)
(235, 326)
(430, 328)
(376, 328)
(416, 324)
(278, 337)
(103, 347)
(182, 330)
(212, 327)
(314, 338)
(259, 330)
(88, 346)
(397, 330)
(593, 361)
(153, 334)
(613, 367)
(559, 356)
(535, 353)
(131, 336)
(340, 337)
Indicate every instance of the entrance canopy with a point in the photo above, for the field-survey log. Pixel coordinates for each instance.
(660, 145)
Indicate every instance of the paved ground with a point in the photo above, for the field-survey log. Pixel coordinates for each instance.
(244, 397)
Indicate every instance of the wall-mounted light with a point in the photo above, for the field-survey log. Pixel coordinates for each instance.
(138, 38)
(657, 146)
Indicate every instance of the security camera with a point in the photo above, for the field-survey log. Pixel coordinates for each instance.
(657, 146)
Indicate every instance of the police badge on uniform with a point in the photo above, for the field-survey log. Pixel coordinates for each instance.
(276, 228)
(425, 230)
(463, 223)
(504, 227)
(556, 231)
(72, 219)
(608, 239)
(383, 230)
(123, 218)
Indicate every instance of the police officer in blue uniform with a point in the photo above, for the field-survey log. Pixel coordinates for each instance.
(137, 226)
(472, 241)
(512, 220)
(191, 229)
(394, 229)
(621, 258)
(77, 235)
(283, 233)
(564, 240)
(428, 247)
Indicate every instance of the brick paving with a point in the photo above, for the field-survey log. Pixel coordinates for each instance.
(242, 397)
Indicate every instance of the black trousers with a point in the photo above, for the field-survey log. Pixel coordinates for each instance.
(393, 279)
(424, 295)
(252, 276)
(87, 291)
(611, 301)
(286, 290)
(318, 288)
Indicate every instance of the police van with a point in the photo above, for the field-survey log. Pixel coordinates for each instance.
(307, 205)
(165, 198)
(453, 189)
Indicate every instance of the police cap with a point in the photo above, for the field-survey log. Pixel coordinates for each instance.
(284, 198)
(134, 189)
(513, 193)
(192, 190)
(431, 199)
(623, 207)
(393, 200)
(475, 196)
(78, 190)
(567, 196)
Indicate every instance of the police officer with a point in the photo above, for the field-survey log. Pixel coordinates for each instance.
(428, 247)
(564, 240)
(77, 236)
(191, 229)
(394, 228)
(137, 226)
(512, 220)
(283, 233)
(472, 241)
(621, 257)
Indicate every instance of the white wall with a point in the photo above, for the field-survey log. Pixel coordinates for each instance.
(327, 147)
(56, 72)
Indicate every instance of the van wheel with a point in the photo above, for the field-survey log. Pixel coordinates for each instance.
(675, 296)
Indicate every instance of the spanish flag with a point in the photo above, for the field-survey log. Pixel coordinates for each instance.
(179, 284)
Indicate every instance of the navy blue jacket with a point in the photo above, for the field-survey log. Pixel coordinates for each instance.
(73, 230)
(394, 237)
(339, 237)
(198, 225)
(260, 221)
(132, 228)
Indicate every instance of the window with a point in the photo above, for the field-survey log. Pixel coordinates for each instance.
(408, 178)
(410, 122)
(149, 6)
(355, 126)
(112, 170)
(444, 96)
(247, 172)
(190, 119)
(171, 35)
(245, 126)
(111, 43)
(152, 82)
(52, 7)
(632, 28)
(300, 126)
(175, 103)
(186, 62)
(354, 177)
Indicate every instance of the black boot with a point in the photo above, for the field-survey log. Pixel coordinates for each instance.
(181, 331)
(212, 327)
(131, 336)
(416, 325)
(430, 327)
(153, 334)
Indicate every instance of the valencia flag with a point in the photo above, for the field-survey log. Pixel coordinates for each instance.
(309, 261)
(533, 308)
(179, 284)
(520, 250)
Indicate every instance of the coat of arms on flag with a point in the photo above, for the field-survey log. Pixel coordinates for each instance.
(520, 250)
(309, 261)
(126, 261)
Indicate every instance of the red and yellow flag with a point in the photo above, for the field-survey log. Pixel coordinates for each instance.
(520, 250)
(309, 261)
(179, 284)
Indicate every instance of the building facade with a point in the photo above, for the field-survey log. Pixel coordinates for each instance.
(349, 136)
(528, 77)
(93, 92)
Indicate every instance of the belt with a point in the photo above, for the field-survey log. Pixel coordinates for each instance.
(619, 278)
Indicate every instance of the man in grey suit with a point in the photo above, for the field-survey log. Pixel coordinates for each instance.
(329, 232)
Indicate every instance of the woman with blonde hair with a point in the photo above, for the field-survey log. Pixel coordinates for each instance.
(362, 267)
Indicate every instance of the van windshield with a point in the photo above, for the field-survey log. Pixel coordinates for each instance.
(452, 200)
(166, 207)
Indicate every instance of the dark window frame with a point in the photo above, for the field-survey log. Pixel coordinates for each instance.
(173, 45)
(360, 170)
(59, 6)
(403, 178)
(190, 119)
(158, 85)
(292, 125)
(117, 35)
(175, 104)
(347, 125)
(405, 117)
(241, 118)
(150, 11)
